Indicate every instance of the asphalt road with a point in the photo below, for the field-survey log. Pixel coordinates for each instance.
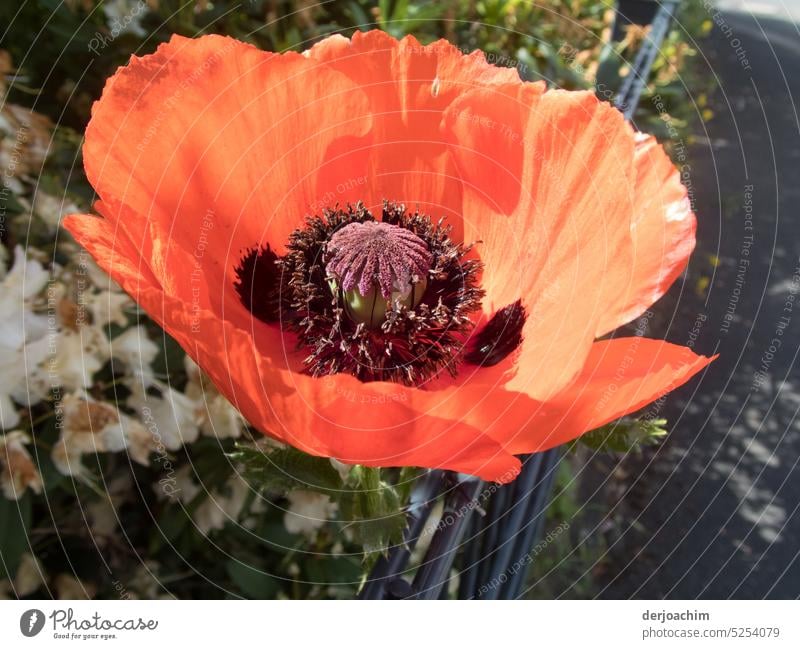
(715, 509)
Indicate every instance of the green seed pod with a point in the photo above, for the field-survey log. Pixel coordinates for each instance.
(371, 308)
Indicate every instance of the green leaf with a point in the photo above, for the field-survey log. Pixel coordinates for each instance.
(358, 15)
(12, 204)
(374, 509)
(15, 521)
(253, 582)
(405, 482)
(333, 570)
(172, 522)
(275, 536)
(624, 436)
(284, 469)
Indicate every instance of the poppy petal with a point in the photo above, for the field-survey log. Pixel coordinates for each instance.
(663, 231)
(548, 191)
(620, 376)
(409, 86)
(221, 146)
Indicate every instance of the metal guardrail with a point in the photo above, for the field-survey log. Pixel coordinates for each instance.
(488, 549)
(634, 83)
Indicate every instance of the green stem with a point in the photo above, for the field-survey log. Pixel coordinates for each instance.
(369, 483)
(405, 482)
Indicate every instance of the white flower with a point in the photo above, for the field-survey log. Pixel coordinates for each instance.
(97, 275)
(308, 511)
(109, 306)
(102, 519)
(342, 468)
(18, 289)
(136, 351)
(77, 356)
(144, 583)
(222, 506)
(69, 587)
(51, 208)
(23, 345)
(90, 426)
(24, 143)
(219, 507)
(125, 17)
(9, 417)
(103, 513)
(22, 378)
(221, 419)
(30, 575)
(218, 418)
(171, 417)
(17, 469)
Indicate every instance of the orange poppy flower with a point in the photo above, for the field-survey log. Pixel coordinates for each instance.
(386, 253)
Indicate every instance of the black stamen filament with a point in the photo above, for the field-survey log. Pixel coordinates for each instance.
(499, 337)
